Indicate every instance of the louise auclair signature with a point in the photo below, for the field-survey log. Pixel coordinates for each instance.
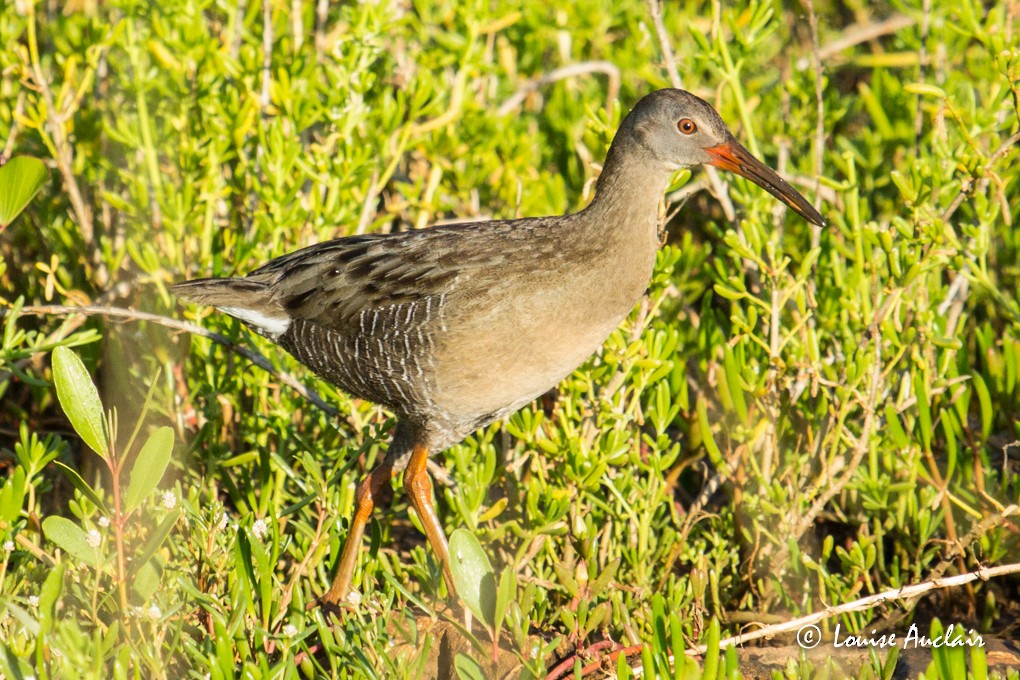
(809, 636)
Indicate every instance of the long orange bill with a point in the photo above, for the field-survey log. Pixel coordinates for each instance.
(730, 155)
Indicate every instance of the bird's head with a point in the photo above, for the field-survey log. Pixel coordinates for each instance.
(679, 130)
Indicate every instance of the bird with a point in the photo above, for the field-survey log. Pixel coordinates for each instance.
(455, 326)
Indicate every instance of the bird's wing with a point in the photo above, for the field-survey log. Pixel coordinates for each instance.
(336, 283)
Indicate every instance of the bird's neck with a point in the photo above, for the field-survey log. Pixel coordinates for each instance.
(627, 196)
(618, 232)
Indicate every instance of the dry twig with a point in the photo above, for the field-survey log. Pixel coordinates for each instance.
(892, 594)
(857, 34)
(769, 631)
(562, 73)
(439, 474)
(250, 354)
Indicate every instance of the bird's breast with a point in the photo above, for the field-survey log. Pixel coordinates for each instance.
(500, 351)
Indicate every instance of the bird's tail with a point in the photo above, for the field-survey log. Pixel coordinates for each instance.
(234, 292)
(247, 299)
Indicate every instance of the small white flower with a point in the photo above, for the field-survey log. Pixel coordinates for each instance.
(223, 521)
(169, 500)
(93, 538)
(354, 597)
(104, 521)
(290, 630)
(33, 601)
(9, 546)
(260, 529)
(154, 612)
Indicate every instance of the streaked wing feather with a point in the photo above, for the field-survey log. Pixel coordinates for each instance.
(335, 282)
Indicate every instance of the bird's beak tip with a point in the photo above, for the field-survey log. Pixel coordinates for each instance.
(731, 156)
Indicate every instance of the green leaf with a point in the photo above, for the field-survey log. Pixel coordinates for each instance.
(978, 663)
(732, 370)
(925, 90)
(505, 595)
(711, 448)
(895, 428)
(82, 486)
(80, 400)
(729, 293)
(660, 640)
(985, 401)
(23, 617)
(20, 180)
(12, 495)
(50, 592)
(146, 581)
(467, 668)
(923, 410)
(957, 653)
(623, 669)
(48, 598)
(263, 564)
(940, 653)
(149, 467)
(711, 663)
(70, 538)
(890, 663)
(648, 667)
(473, 576)
(607, 574)
(242, 562)
(733, 662)
(156, 540)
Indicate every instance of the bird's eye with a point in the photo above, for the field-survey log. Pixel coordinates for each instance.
(687, 126)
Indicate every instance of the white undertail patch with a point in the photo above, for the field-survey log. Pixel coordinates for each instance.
(270, 326)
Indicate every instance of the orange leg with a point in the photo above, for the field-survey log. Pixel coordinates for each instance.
(367, 490)
(419, 490)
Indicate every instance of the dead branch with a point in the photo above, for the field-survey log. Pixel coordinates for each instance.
(562, 73)
(892, 594)
(132, 315)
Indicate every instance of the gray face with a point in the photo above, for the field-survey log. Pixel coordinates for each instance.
(675, 127)
(679, 130)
